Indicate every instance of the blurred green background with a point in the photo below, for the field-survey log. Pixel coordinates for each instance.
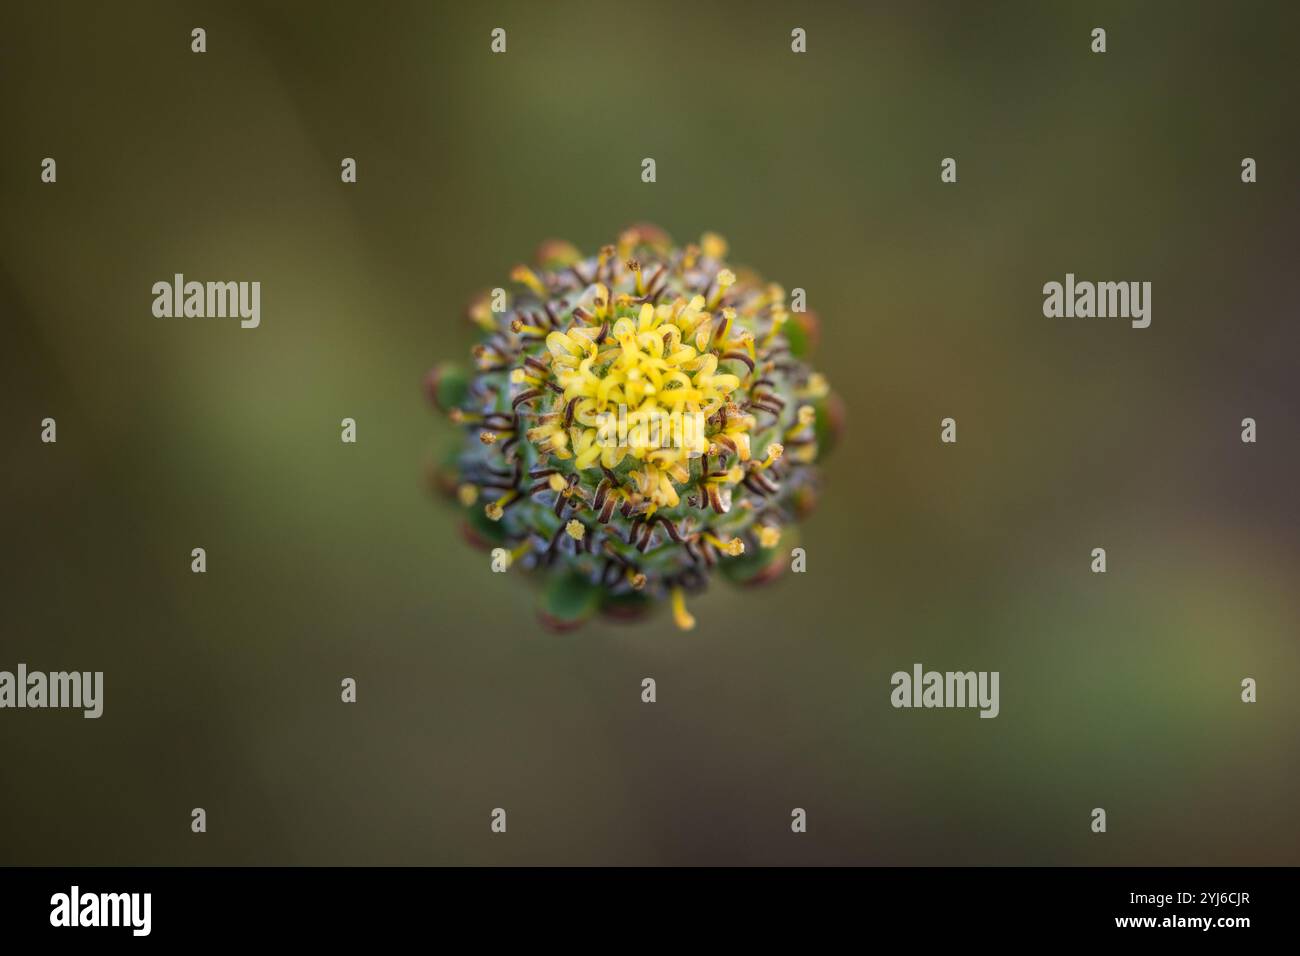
(328, 560)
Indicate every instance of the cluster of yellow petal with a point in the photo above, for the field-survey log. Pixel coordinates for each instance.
(656, 365)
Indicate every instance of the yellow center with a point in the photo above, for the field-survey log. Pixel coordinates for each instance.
(645, 390)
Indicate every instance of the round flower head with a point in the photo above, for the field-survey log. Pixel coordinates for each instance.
(636, 420)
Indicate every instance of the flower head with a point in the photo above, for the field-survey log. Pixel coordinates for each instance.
(639, 418)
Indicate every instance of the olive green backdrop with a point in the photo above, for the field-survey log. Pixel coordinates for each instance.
(327, 560)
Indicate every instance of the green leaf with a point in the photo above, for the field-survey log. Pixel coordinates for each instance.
(483, 526)
(448, 386)
(801, 331)
(829, 423)
(758, 564)
(569, 599)
(626, 606)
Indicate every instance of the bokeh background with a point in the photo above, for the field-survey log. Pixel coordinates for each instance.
(328, 560)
